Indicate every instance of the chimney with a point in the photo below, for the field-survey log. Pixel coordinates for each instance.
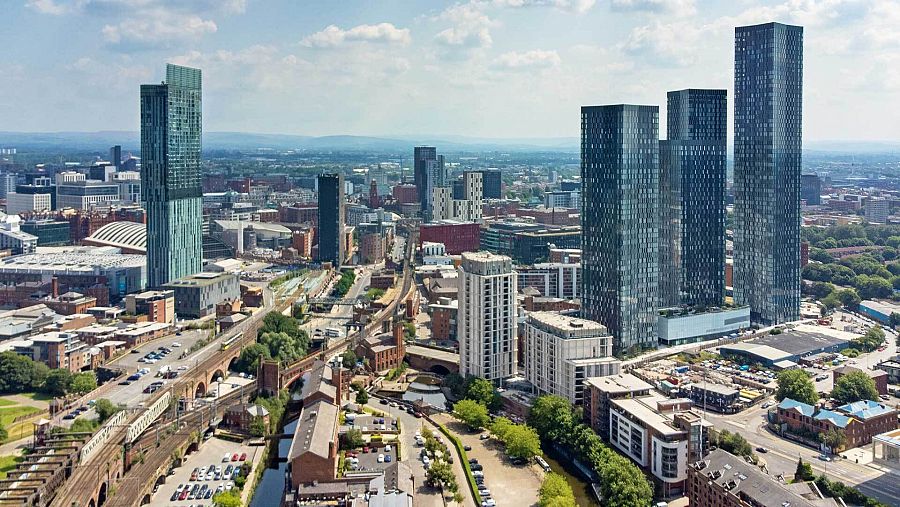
(398, 341)
(338, 376)
(54, 287)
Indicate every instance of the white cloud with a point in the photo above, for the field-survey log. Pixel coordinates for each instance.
(333, 36)
(52, 7)
(534, 59)
(161, 29)
(667, 44)
(579, 6)
(681, 7)
(471, 26)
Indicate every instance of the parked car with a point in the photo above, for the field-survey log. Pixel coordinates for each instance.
(762, 450)
(243, 456)
(467, 447)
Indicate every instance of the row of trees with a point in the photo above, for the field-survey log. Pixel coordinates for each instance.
(19, 374)
(621, 482)
(853, 235)
(521, 441)
(348, 276)
(867, 275)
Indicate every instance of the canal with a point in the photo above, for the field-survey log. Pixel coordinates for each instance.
(584, 497)
(271, 486)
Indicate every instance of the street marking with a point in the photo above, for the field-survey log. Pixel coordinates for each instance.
(739, 425)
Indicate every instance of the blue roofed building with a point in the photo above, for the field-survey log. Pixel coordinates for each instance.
(858, 421)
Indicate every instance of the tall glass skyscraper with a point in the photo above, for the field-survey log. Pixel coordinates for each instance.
(332, 218)
(768, 100)
(619, 174)
(171, 126)
(692, 199)
(421, 156)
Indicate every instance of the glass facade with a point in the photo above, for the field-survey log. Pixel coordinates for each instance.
(619, 174)
(768, 95)
(692, 199)
(171, 126)
(332, 216)
(421, 154)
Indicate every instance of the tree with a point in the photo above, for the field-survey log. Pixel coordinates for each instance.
(362, 397)
(551, 416)
(258, 427)
(895, 319)
(58, 382)
(472, 413)
(734, 443)
(440, 473)
(804, 472)
(555, 491)
(796, 385)
(522, 442)
(19, 373)
(482, 391)
(227, 499)
(854, 386)
(835, 439)
(352, 439)
(282, 346)
(83, 383)
(348, 359)
(500, 427)
(251, 356)
(105, 409)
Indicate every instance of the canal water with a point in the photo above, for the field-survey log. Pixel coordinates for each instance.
(271, 486)
(584, 497)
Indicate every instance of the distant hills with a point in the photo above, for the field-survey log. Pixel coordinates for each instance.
(130, 141)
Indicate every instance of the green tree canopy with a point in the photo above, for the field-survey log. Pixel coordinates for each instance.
(555, 491)
(84, 382)
(551, 416)
(105, 409)
(352, 439)
(348, 359)
(522, 442)
(472, 413)
(854, 386)
(19, 373)
(482, 391)
(500, 427)
(796, 385)
(58, 382)
(804, 471)
(251, 356)
(362, 397)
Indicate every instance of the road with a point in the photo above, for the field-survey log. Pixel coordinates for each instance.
(783, 454)
(339, 315)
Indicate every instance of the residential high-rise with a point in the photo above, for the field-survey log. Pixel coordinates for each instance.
(877, 210)
(421, 154)
(620, 240)
(332, 217)
(486, 319)
(436, 181)
(768, 102)
(171, 125)
(562, 351)
(692, 199)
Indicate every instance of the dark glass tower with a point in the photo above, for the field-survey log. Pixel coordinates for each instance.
(692, 199)
(492, 184)
(421, 156)
(332, 217)
(619, 174)
(768, 100)
(811, 189)
(171, 126)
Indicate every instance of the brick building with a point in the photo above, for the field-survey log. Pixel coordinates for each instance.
(313, 454)
(457, 237)
(858, 421)
(880, 377)
(384, 351)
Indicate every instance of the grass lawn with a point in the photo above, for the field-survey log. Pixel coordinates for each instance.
(7, 463)
(7, 414)
(21, 429)
(37, 396)
(6, 403)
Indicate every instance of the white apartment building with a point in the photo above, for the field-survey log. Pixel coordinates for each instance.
(468, 209)
(25, 203)
(562, 199)
(663, 436)
(877, 210)
(486, 319)
(552, 279)
(431, 249)
(86, 194)
(69, 177)
(562, 351)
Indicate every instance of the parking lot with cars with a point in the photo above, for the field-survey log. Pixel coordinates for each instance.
(211, 469)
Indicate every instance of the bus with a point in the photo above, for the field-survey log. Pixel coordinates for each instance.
(332, 332)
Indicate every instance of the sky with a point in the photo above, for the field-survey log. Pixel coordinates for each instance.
(482, 68)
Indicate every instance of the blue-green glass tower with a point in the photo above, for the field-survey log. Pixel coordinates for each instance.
(171, 119)
(692, 199)
(768, 113)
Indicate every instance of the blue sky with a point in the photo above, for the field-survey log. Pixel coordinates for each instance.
(488, 68)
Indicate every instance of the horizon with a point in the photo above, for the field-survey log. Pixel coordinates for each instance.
(487, 69)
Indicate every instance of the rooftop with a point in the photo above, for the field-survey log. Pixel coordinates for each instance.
(760, 350)
(644, 410)
(619, 384)
(201, 279)
(865, 409)
(316, 430)
(565, 325)
(746, 481)
(804, 339)
(799, 406)
(85, 260)
(130, 235)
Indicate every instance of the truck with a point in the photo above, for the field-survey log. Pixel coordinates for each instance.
(163, 370)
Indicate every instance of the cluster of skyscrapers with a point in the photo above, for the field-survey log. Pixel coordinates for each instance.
(653, 212)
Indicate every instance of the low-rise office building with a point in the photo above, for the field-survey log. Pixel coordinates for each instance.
(561, 351)
(313, 454)
(717, 397)
(675, 328)
(858, 421)
(157, 305)
(552, 279)
(879, 377)
(197, 295)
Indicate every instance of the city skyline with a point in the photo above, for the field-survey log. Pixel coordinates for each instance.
(502, 69)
